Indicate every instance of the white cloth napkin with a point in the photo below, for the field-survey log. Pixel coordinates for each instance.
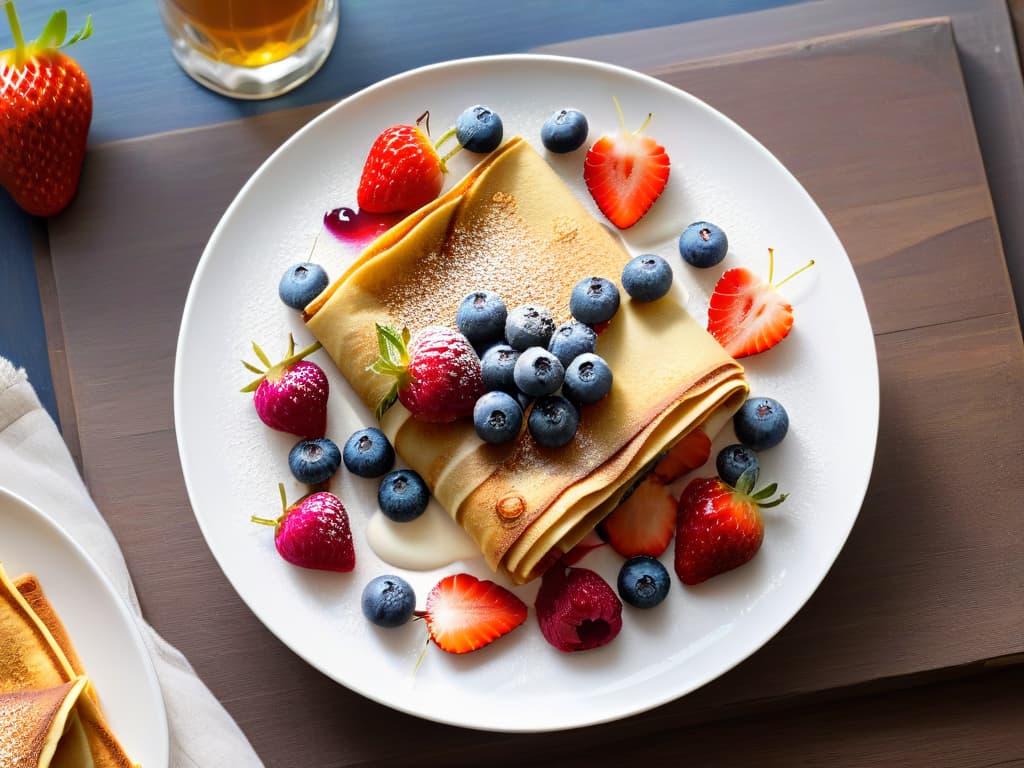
(36, 465)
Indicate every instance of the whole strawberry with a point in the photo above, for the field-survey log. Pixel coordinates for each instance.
(402, 171)
(314, 533)
(291, 396)
(719, 527)
(577, 610)
(437, 373)
(45, 113)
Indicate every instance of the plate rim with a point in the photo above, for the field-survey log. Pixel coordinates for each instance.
(869, 407)
(8, 496)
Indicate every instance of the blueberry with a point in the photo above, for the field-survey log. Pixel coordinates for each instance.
(587, 379)
(497, 417)
(497, 366)
(570, 340)
(647, 277)
(388, 601)
(538, 372)
(403, 495)
(643, 581)
(734, 460)
(481, 317)
(301, 284)
(479, 129)
(529, 326)
(368, 453)
(313, 461)
(702, 244)
(553, 421)
(761, 423)
(594, 300)
(564, 131)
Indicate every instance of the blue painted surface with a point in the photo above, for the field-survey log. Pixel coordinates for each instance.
(139, 89)
(22, 338)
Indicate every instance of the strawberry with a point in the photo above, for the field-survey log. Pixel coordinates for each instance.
(45, 113)
(464, 613)
(313, 532)
(402, 172)
(291, 396)
(625, 173)
(719, 527)
(577, 610)
(644, 522)
(437, 374)
(688, 454)
(748, 315)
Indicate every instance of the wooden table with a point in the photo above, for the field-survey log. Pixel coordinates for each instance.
(906, 653)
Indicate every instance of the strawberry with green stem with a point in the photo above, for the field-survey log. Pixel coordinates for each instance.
(720, 527)
(437, 374)
(747, 315)
(290, 396)
(313, 532)
(45, 113)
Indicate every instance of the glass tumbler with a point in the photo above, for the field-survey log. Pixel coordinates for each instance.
(250, 49)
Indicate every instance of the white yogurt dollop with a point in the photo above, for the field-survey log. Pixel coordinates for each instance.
(432, 540)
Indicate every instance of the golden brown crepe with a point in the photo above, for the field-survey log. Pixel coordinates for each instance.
(512, 226)
(36, 656)
(42, 729)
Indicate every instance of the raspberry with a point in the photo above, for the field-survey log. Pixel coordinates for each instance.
(577, 609)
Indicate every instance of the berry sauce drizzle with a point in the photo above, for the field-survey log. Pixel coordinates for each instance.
(359, 227)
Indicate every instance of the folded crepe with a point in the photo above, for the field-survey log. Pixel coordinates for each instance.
(39, 668)
(513, 227)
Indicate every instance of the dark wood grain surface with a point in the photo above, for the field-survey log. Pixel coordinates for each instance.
(929, 580)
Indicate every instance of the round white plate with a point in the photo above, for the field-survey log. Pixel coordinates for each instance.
(98, 623)
(825, 373)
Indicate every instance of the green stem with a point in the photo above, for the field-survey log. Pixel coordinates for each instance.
(263, 520)
(19, 38)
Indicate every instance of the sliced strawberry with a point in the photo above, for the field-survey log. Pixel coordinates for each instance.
(464, 613)
(643, 524)
(688, 454)
(437, 373)
(720, 527)
(625, 173)
(402, 172)
(748, 315)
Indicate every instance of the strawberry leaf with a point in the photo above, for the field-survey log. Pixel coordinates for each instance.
(767, 491)
(54, 32)
(386, 402)
(83, 34)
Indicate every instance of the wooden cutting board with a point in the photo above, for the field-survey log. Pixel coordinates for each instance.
(877, 126)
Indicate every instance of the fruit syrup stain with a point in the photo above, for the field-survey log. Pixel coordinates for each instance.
(359, 227)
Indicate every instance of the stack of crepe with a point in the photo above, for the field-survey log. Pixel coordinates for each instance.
(49, 711)
(512, 226)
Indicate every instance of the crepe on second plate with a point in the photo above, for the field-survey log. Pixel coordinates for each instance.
(513, 227)
(39, 672)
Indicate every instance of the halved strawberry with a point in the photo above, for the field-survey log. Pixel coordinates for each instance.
(685, 456)
(402, 172)
(748, 315)
(464, 613)
(625, 173)
(643, 524)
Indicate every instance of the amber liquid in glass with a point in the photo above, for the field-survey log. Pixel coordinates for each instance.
(247, 33)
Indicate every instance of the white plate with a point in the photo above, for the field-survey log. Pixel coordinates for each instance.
(825, 373)
(98, 623)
